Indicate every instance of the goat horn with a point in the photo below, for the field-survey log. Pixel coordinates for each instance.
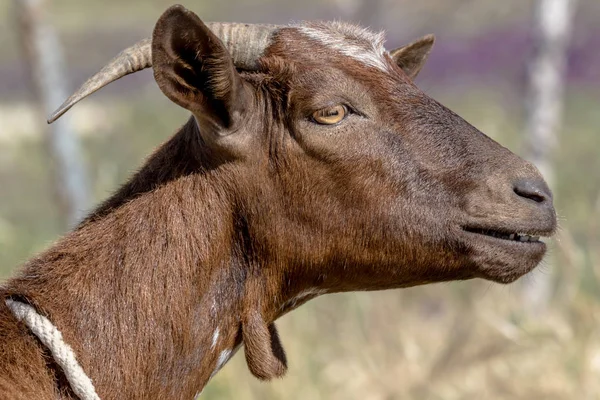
(245, 42)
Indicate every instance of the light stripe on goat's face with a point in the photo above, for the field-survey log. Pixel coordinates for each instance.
(349, 40)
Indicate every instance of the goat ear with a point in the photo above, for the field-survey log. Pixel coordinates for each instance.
(412, 57)
(264, 353)
(194, 69)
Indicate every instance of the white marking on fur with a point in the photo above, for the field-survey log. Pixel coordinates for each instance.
(292, 303)
(352, 41)
(215, 338)
(310, 292)
(223, 358)
(51, 337)
(213, 307)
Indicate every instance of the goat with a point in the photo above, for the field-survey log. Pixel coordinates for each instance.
(310, 164)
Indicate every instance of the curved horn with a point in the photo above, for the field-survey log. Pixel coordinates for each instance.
(245, 42)
(130, 60)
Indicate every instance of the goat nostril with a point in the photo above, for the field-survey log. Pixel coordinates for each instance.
(533, 196)
(535, 190)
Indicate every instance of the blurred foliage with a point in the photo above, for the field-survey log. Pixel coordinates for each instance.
(467, 340)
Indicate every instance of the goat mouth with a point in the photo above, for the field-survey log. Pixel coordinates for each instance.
(518, 237)
(504, 254)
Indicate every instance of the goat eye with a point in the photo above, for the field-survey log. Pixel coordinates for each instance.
(330, 115)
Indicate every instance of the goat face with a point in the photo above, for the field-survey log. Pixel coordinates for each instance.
(348, 177)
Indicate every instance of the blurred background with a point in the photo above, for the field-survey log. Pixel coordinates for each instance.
(525, 72)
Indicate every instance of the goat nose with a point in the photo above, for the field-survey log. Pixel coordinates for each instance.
(533, 189)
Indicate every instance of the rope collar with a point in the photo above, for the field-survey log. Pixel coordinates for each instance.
(63, 354)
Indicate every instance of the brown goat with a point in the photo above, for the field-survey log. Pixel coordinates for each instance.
(311, 164)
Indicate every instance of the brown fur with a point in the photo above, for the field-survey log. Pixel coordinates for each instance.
(251, 209)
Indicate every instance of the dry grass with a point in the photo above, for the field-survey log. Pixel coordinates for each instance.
(452, 341)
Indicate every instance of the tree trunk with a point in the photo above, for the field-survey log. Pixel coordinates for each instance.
(553, 20)
(44, 58)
